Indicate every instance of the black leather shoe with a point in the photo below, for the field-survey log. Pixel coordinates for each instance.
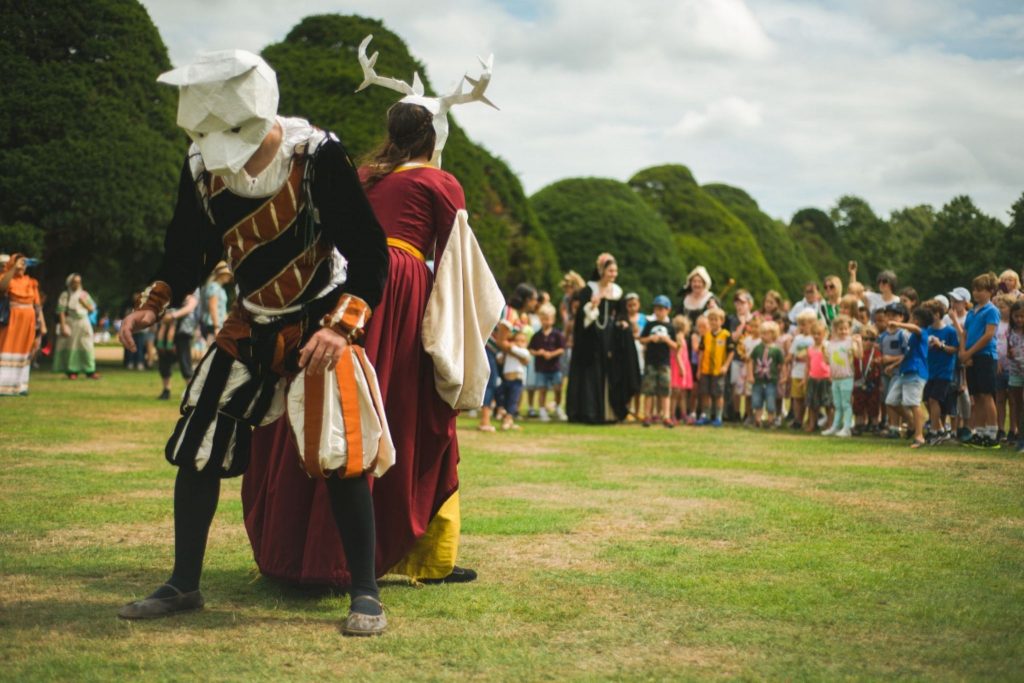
(154, 608)
(458, 575)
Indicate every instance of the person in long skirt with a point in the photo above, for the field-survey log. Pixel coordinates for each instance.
(25, 317)
(74, 354)
(416, 503)
(604, 373)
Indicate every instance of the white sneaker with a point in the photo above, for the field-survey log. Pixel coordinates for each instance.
(831, 431)
(844, 433)
(823, 420)
(560, 414)
(544, 417)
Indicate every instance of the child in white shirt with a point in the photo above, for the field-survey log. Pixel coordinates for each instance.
(513, 372)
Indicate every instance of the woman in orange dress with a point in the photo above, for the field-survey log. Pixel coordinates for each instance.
(18, 335)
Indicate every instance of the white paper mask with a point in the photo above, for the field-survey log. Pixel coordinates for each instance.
(438, 106)
(227, 103)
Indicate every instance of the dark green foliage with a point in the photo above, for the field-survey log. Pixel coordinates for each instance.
(89, 153)
(586, 216)
(21, 238)
(318, 73)
(865, 237)
(963, 243)
(785, 255)
(816, 233)
(908, 228)
(704, 230)
(1014, 252)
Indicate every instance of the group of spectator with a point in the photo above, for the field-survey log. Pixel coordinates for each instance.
(879, 361)
(181, 335)
(873, 360)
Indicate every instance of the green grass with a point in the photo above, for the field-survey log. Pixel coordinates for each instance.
(604, 553)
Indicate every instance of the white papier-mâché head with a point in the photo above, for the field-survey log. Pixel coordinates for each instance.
(227, 103)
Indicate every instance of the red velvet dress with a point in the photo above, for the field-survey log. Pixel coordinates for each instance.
(287, 514)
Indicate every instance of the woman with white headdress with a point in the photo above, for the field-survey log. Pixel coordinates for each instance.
(422, 210)
(604, 372)
(698, 296)
(74, 354)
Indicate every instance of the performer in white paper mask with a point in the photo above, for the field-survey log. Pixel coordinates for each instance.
(281, 202)
(427, 342)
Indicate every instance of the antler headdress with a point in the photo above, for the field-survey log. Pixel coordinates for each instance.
(438, 106)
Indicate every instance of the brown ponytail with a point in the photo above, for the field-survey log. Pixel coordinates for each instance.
(410, 135)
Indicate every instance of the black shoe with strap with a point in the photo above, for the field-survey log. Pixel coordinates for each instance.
(458, 575)
(171, 601)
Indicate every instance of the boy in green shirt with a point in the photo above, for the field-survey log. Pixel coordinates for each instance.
(763, 367)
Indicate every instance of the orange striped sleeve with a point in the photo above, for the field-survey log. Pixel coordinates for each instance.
(349, 317)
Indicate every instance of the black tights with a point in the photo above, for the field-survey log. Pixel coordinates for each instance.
(195, 502)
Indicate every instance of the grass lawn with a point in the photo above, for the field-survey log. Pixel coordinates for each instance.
(604, 553)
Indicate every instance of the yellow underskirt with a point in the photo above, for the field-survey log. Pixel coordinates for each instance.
(433, 555)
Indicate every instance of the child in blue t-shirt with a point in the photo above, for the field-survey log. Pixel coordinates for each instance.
(943, 346)
(978, 354)
(892, 342)
(907, 388)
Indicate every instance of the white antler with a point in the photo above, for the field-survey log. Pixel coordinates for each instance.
(437, 106)
(476, 93)
(370, 76)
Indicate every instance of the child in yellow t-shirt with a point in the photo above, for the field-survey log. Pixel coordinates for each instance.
(716, 352)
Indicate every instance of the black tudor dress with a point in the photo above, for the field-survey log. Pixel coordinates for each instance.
(604, 372)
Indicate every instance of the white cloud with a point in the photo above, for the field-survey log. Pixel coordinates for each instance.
(797, 102)
(733, 114)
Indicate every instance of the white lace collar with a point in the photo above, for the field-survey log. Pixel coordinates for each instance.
(616, 290)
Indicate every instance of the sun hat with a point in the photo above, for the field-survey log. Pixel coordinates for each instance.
(960, 294)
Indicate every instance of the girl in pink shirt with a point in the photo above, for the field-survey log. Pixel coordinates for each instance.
(819, 386)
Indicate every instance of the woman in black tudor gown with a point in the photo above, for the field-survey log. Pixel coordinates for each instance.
(604, 372)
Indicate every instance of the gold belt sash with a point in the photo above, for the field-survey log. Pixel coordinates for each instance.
(406, 247)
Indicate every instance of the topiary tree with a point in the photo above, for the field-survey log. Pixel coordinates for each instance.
(784, 255)
(318, 73)
(89, 152)
(586, 216)
(813, 230)
(704, 230)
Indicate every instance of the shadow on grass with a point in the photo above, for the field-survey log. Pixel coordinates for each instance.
(234, 599)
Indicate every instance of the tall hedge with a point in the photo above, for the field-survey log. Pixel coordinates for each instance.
(704, 230)
(813, 230)
(586, 216)
(318, 73)
(785, 256)
(89, 152)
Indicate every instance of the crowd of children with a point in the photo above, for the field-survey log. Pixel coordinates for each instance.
(949, 368)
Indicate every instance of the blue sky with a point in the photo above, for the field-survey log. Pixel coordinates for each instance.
(902, 102)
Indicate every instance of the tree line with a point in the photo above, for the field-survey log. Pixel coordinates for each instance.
(89, 156)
